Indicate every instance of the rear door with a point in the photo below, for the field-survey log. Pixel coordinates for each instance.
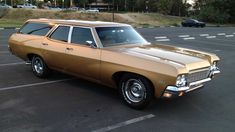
(54, 47)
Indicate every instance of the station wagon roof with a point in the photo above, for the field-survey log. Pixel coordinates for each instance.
(77, 22)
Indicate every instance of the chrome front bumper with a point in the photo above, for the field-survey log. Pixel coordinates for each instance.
(174, 91)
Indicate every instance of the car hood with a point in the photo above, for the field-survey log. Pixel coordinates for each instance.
(191, 59)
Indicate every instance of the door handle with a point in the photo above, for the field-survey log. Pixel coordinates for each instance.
(44, 43)
(69, 48)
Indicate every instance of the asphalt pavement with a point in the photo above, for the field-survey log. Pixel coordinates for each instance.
(63, 103)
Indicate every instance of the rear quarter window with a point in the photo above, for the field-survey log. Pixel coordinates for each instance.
(40, 29)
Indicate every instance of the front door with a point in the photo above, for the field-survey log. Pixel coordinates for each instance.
(85, 59)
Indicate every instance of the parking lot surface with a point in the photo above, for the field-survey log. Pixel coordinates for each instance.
(63, 103)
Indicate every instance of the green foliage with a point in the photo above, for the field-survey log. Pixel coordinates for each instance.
(165, 6)
(218, 11)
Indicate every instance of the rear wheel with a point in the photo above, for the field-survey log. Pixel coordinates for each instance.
(39, 67)
(136, 91)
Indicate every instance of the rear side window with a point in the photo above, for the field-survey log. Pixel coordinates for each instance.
(40, 29)
(61, 33)
(81, 35)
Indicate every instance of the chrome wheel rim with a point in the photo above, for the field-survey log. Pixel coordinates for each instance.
(135, 90)
(38, 65)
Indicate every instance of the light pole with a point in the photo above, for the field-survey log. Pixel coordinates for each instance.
(71, 3)
(62, 3)
(146, 6)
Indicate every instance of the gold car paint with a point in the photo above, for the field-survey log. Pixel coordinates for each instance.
(100, 64)
(111, 64)
(204, 55)
(21, 45)
(53, 53)
(83, 60)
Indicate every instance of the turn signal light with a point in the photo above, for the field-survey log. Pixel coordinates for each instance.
(167, 95)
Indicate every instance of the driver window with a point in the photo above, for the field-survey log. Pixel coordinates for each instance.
(81, 36)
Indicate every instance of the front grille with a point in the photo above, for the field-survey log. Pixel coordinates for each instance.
(197, 75)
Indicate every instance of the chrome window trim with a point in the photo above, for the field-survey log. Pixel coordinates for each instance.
(121, 25)
(70, 34)
(52, 30)
(92, 33)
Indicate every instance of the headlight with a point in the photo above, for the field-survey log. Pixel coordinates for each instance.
(181, 81)
(214, 70)
(214, 66)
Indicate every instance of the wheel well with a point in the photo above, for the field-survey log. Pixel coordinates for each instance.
(117, 76)
(30, 56)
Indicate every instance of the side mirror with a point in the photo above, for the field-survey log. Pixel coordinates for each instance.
(90, 43)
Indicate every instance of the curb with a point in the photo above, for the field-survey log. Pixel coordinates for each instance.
(180, 26)
(154, 26)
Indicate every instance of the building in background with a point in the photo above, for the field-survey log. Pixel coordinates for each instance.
(101, 5)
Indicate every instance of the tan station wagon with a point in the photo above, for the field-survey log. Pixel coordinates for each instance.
(115, 55)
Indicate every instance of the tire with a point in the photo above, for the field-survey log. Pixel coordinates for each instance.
(135, 91)
(39, 67)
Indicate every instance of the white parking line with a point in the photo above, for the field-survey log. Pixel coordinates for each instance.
(228, 36)
(162, 40)
(125, 123)
(161, 37)
(209, 37)
(33, 84)
(11, 64)
(220, 33)
(189, 38)
(183, 36)
(204, 35)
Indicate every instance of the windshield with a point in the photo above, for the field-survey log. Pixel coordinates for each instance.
(113, 36)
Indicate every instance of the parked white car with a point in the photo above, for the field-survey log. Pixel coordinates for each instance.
(5, 6)
(92, 10)
(55, 9)
(27, 6)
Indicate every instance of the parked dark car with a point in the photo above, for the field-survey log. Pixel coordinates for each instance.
(193, 23)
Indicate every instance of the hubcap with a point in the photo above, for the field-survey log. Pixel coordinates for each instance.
(38, 65)
(134, 90)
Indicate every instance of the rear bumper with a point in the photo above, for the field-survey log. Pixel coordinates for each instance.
(174, 91)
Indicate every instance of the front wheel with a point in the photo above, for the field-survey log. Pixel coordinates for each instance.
(39, 67)
(136, 91)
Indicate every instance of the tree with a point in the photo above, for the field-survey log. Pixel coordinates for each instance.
(165, 6)
(219, 11)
